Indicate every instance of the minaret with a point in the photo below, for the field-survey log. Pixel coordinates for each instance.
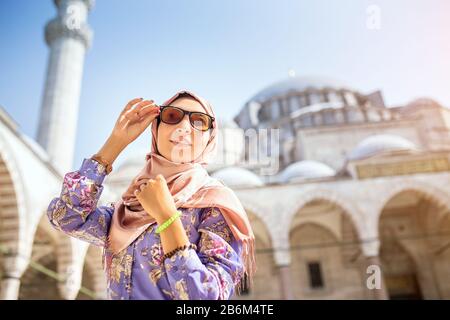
(68, 37)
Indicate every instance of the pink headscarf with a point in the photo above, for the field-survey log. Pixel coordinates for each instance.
(191, 187)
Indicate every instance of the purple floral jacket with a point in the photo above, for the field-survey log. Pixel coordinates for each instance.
(137, 272)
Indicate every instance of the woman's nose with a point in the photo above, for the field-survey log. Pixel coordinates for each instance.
(184, 127)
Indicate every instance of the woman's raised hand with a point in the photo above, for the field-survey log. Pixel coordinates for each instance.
(134, 119)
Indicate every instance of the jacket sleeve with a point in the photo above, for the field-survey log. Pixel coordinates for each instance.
(75, 211)
(212, 271)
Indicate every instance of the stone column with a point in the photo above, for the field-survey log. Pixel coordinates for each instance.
(71, 255)
(68, 36)
(286, 282)
(13, 268)
(70, 288)
(282, 261)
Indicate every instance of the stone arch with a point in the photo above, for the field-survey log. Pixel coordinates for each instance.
(410, 215)
(327, 195)
(35, 279)
(94, 278)
(253, 206)
(331, 244)
(429, 192)
(38, 285)
(265, 263)
(15, 248)
(70, 255)
(13, 204)
(263, 214)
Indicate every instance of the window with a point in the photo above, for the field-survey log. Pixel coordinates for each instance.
(318, 119)
(350, 98)
(315, 97)
(303, 100)
(315, 275)
(328, 117)
(295, 103)
(307, 120)
(334, 97)
(264, 113)
(275, 109)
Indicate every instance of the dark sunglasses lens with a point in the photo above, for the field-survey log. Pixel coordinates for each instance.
(200, 121)
(171, 115)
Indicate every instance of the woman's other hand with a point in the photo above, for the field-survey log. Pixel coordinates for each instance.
(154, 196)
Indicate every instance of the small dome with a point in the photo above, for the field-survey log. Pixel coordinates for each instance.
(380, 143)
(306, 169)
(428, 102)
(235, 176)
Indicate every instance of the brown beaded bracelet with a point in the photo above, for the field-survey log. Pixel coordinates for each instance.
(186, 246)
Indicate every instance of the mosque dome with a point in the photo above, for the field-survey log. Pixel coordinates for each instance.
(235, 176)
(305, 101)
(297, 84)
(381, 143)
(305, 169)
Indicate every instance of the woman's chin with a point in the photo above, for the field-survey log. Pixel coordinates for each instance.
(179, 155)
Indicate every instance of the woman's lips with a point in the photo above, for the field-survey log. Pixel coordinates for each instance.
(181, 143)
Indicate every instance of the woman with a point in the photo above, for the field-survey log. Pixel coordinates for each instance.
(176, 233)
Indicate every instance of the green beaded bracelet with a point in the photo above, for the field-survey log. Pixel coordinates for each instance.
(168, 222)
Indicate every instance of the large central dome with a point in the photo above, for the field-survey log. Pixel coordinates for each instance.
(298, 84)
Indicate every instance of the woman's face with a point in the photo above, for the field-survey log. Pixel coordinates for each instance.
(181, 142)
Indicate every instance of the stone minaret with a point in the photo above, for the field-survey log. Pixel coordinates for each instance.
(68, 36)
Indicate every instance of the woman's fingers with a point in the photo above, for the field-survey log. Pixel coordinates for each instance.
(142, 104)
(130, 105)
(153, 108)
(148, 118)
(135, 113)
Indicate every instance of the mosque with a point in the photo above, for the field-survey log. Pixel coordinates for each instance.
(358, 188)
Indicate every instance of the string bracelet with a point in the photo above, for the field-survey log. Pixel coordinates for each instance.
(171, 253)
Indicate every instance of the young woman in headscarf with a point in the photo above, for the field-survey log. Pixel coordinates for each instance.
(176, 232)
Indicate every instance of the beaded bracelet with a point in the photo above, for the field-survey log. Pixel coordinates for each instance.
(168, 222)
(186, 246)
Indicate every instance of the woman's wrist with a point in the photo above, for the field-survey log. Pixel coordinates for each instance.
(163, 217)
(174, 236)
(111, 149)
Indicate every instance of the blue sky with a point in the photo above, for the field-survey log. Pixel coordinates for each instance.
(224, 50)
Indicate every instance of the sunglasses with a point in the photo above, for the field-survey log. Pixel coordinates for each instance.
(198, 120)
